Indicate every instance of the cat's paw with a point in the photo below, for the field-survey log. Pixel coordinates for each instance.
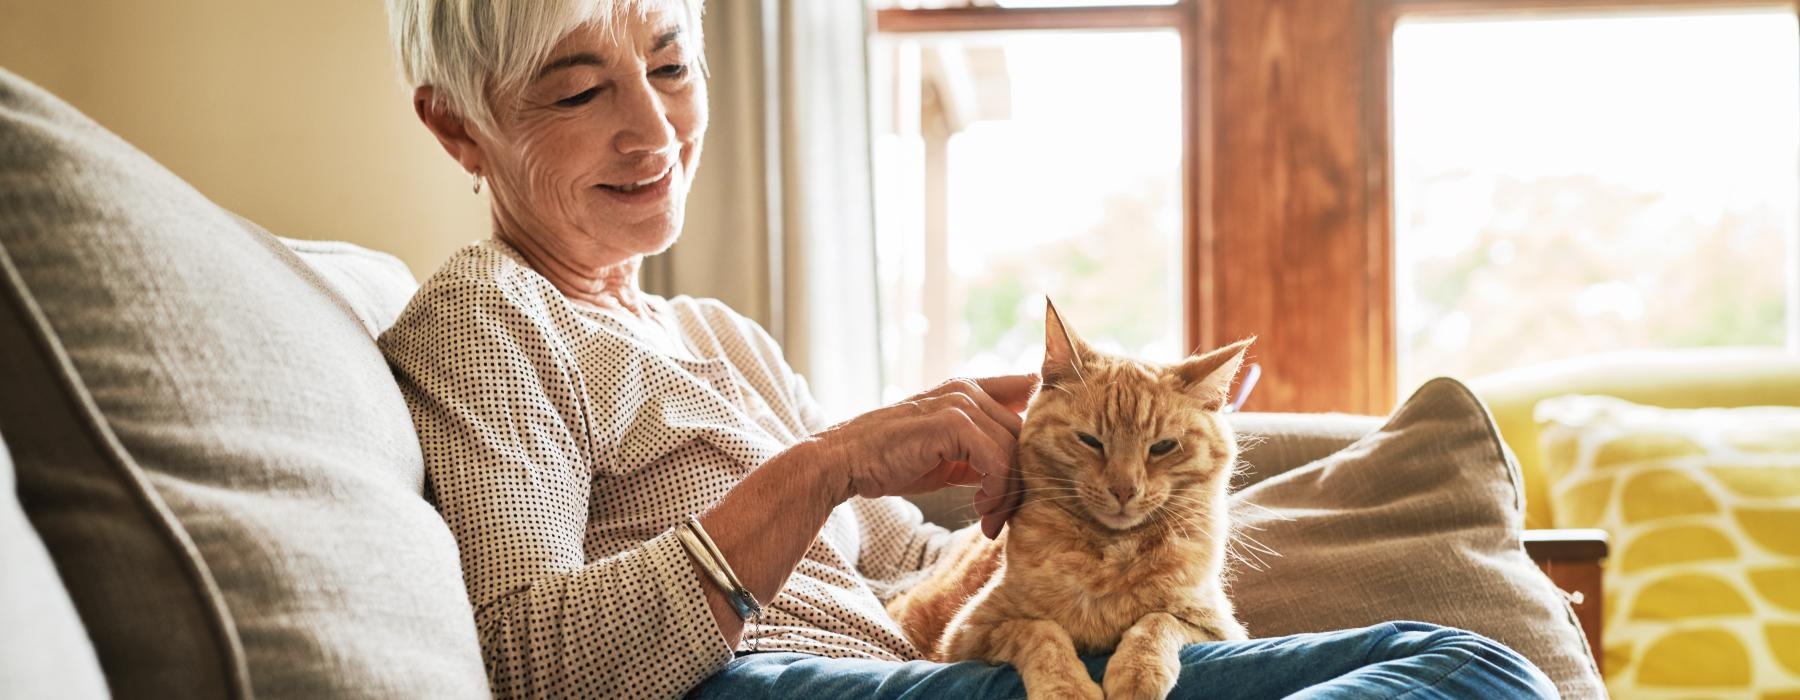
(1138, 681)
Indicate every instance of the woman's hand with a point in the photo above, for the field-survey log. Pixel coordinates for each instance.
(964, 432)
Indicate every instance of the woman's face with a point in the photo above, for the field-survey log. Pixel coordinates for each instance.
(597, 154)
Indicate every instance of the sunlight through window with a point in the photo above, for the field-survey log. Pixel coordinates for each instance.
(1579, 185)
(1014, 166)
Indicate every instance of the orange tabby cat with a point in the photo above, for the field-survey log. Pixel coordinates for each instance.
(1119, 544)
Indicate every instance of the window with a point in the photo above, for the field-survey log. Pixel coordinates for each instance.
(1575, 185)
(1379, 191)
(1017, 164)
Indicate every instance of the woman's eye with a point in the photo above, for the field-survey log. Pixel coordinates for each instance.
(579, 99)
(1162, 448)
(673, 70)
(1090, 441)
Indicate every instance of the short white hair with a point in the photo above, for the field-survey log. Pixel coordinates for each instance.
(469, 50)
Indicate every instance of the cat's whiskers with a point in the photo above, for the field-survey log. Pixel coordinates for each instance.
(1178, 515)
(1196, 505)
(1239, 558)
(1255, 548)
(1278, 515)
(1057, 478)
(1050, 489)
(1240, 546)
(1066, 495)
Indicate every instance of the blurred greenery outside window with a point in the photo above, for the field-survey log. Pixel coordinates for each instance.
(1562, 187)
(1014, 166)
(1592, 184)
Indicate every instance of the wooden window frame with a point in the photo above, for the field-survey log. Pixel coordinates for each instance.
(1287, 171)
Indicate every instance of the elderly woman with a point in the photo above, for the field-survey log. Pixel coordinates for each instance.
(573, 425)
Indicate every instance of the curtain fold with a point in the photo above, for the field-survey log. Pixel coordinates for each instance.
(779, 224)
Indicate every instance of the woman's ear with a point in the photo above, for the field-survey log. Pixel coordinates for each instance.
(453, 132)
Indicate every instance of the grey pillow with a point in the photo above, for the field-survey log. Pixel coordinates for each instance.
(208, 441)
(47, 650)
(1418, 520)
(374, 284)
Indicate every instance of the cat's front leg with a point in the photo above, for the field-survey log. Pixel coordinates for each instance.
(1148, 658)
(1045, 657)
(1213, 622)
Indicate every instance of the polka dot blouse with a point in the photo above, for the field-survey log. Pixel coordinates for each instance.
(563, 446)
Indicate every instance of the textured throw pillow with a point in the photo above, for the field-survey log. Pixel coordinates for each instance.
(1418, 520)
(207, 439)
(1703, 507)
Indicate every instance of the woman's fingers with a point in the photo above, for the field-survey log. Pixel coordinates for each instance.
(997, 399)
(997, 498)
(996, 510)
(962, 474)
(1012, 391)
(998, 412)
(945, 474)
(965, 432)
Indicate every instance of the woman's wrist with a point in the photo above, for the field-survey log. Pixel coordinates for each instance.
(824, 475)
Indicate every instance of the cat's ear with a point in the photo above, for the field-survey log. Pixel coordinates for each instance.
(1208, 377)
(1063, 351)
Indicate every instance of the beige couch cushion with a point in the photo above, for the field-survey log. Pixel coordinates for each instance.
(374, 284)
(47, 650)
(1417, 520)
(212, 448)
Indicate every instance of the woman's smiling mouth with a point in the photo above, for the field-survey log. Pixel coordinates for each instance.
(651, 188)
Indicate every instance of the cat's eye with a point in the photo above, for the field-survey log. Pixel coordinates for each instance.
(1090, 441)
(1162, 448)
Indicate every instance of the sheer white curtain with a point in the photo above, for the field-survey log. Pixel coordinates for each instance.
(779, 223)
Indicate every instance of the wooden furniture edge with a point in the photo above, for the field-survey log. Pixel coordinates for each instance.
(1572, 559)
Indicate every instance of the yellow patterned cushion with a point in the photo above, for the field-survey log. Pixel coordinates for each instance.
(1703, 505)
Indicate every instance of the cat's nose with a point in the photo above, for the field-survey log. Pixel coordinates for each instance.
(1123, 492)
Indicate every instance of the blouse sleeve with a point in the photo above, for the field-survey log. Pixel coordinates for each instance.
(503, 424)
(896, 543)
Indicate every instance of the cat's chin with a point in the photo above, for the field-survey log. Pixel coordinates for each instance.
(1118, 522)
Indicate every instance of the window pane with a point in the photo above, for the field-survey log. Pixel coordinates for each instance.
(1082, 3)
(935, 4)
(1014, 166)
(1580, 185)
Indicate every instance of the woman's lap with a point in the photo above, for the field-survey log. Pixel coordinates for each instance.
(1383, 661)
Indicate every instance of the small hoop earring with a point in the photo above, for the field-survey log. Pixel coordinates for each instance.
(478, 179)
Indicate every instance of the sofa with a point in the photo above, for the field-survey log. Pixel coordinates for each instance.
(213, 487)
(1689, 461)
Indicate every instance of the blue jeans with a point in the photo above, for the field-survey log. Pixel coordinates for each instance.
(1411, 659)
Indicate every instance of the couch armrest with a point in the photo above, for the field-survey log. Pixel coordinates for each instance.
(1572, 559)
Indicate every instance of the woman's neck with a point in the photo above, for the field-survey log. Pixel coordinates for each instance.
(585, 279)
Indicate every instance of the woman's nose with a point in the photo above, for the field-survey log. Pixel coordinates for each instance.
(645, 126)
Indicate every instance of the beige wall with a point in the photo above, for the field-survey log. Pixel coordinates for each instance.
(288, 113)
